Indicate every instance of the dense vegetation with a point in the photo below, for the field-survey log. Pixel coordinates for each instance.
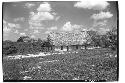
(86, 65)
(98, 64)
(26, 45)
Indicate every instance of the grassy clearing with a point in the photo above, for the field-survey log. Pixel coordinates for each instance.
(87, 65)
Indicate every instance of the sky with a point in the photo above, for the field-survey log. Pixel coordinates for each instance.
(38, 19)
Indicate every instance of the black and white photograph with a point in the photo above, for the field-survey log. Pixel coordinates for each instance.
(64, 41)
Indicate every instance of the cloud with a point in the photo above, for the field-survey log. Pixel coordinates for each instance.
(16, 31)
(35, 23)
(8, 27)
(35, 27)
(25, 29)
(103, 30)
(91, 4)
(57, 18)
(17, 26)
(33, 36)
(11, 25)
(22, 34)
(43, 14)
(76, 26)
(36, 31)
(44, 7)
(53, 28)
(68, 27)
(29, 5)
(47, 32)
(100, 23)
(19, 19)
(101, 15)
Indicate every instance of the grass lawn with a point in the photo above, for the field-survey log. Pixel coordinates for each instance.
(86, 65)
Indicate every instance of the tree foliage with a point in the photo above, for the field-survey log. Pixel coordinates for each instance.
(112, 38)
(26, 45)
(9, 47)
(24, 39)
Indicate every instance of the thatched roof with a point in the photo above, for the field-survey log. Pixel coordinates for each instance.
(69, 38)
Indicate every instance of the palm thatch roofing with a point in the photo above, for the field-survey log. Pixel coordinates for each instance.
(69, 38)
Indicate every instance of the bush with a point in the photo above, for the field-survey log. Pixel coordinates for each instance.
(9, 48)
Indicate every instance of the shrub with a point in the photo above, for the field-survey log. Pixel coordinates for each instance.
(9, 48)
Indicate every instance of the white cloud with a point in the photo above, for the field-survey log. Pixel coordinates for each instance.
(68, 27)
(57, 18)
(103, 30)
(36, 27)
(33, 36)
(43, 13)
(11, 25)
(18, 26)
(53, 28)
(101, 15)
(100, 23)
(16, 31)
(42, 16)
(44, 7)
(35, 23)
(25, 29)
(4, 22)
(47, 32)
(29, 5)
(6, 29)
(19, 19)
(22, 34)
(91, 4)
(36, 31)
(77, 26)
(54, 13)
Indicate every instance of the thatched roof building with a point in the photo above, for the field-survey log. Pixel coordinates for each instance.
(69, 38)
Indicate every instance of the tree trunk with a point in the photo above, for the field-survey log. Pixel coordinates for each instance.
(61, 47)
(48, 48)
(76, 46)
(67, 48)
(51, 48)
(85, 47)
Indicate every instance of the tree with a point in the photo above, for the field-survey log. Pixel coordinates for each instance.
(9, 48)
(24, 39)
(94, 38)
(104, 41)
(112, 38)
(49, 42)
